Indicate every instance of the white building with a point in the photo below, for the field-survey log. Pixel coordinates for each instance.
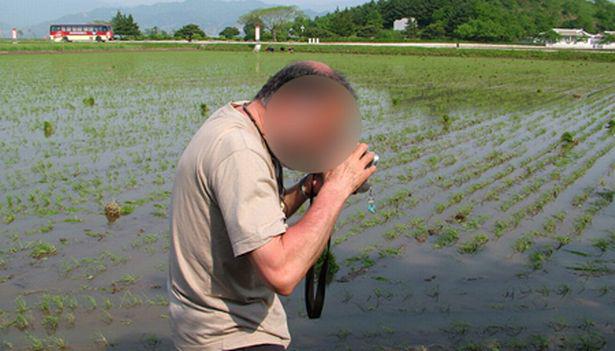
(572, 38)
(403, 23)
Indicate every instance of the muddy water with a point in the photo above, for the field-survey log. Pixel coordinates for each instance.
(104, 286)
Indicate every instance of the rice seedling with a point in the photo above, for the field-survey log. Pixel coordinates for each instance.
(48, 129)
(522, 244)
(333, 266)
(89, 101)
(57, 342)
(474, 245)
(446, 121)
(36, 344)
(567, 139)
(101, 340)
(390, 251)
(204, 109)
(593, 268)
(50, 323)
(21, 322)
(42, 250)
(539, 257)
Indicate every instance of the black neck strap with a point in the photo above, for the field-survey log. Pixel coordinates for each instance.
(279, 173)
(315, 292)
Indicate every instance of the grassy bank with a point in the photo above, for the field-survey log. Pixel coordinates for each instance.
(418, 51)
(8, 47)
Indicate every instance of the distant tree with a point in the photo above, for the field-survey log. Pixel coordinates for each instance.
(190, 32)
(579, 14)
(317, 32)
(229, 32)
(342, 23)
(370, 21)
(390, 35)
(248, 27)
(276, 20)
(412, 30)
(300, 25)
(434, 30)
(125, 25)
(368, 31)
(156, 33)
(605, 14)
(607, 39)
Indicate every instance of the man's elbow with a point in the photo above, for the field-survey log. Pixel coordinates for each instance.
(282, 286)
(274, 268)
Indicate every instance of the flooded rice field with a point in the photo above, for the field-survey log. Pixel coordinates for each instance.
(494, 228)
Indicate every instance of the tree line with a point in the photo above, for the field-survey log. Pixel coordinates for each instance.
(476, 20)
(479, 20)
(125, 27)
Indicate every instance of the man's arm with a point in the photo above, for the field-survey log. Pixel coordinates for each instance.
(286, 258)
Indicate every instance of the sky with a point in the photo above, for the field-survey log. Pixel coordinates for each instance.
(305, 3)
(29, 12)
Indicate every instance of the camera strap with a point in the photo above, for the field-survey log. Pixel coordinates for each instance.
(315, 291)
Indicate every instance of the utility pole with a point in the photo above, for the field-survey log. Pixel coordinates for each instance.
(257, 38)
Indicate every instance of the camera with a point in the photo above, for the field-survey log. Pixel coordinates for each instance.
(366, 186)
(375, 161)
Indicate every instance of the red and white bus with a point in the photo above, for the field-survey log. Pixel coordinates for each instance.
(80, 32)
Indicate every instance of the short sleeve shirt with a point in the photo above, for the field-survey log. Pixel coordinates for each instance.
(225, 203)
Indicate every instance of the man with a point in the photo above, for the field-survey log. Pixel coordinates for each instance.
(231, 249)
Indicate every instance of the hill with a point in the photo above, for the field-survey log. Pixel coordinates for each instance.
(211, 15)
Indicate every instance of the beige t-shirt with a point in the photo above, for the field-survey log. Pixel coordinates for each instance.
(225, 203)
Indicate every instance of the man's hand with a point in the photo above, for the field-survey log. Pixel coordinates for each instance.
(315, 181)
(352, 173)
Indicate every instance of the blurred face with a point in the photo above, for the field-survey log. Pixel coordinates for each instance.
(311, 124)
